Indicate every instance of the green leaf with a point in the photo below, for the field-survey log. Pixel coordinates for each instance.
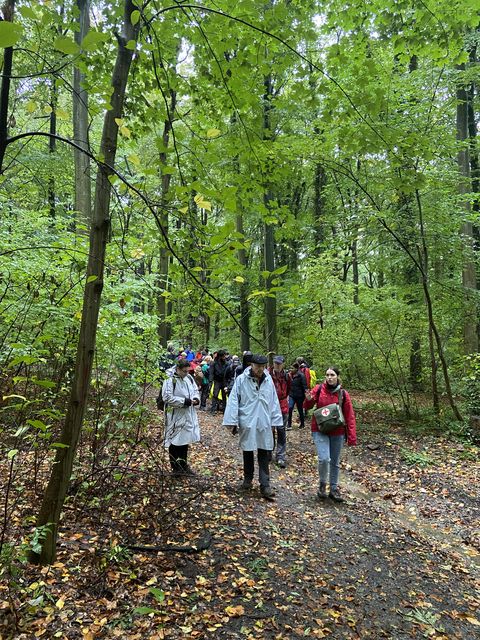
(59, 445)
(27, 12)
(66, 45)
(93, 39)
(135, 17)
(131, 44)
(38, 424)
(47, 384)
(10, 33)
(158, 594)
(12, 453)
(92, 278)
(144, 611)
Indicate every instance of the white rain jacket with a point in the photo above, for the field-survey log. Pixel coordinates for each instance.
(181, 422)
(255, 409)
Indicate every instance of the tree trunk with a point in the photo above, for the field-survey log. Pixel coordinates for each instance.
(244, 308)
(56, 490)
(164, 306)
(469, 278)
(269, 232)
(7, 11)
(83, 190)
(52, 147)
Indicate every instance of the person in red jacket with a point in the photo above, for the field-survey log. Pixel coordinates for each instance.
(329, 446)
(282, 386)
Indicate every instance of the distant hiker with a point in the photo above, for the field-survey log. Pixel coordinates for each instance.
(303, 368)
(246, 361)
(206, 362)
(281, 381)
(180, 395)
(329, 445)
(218, 369)
(230, 373)
(298, 388)
(252, 410)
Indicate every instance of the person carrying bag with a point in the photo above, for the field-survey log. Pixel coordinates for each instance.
(333, 421)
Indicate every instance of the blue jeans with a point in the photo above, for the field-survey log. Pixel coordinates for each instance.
(329, 449)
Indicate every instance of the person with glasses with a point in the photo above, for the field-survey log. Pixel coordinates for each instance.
(180, 395)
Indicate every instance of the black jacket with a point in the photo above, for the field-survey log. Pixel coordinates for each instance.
(298, 387)
(218, 369)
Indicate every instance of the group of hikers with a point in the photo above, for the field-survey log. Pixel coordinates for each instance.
(257, 403)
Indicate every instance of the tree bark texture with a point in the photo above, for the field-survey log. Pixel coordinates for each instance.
(269, 230)
(469, 277)
(56, 490)
(83, 190)
(8, 9)
(164, 306)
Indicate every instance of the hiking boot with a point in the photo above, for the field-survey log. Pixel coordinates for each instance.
(336, 495)
(267, 492)
(322, 491)
(182, 472)
(246, 485)
(281, 463)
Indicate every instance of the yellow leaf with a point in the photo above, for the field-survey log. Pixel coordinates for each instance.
(183, 210)
(134, 159)
(47, 109)
(125, 131)
(60, 603)
(137, 253)
(119, 121)
(62, 114)
(213, 133)
(473, 621)
(30, 106)
(239, 279)
(235, 611)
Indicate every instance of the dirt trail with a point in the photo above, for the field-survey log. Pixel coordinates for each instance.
(398, 560)
(363, 569)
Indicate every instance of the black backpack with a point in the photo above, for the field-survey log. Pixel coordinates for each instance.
(160, 401)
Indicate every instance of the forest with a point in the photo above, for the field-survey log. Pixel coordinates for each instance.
(294, 177)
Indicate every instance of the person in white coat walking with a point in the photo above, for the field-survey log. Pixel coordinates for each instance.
(180, 395)
(252, 410)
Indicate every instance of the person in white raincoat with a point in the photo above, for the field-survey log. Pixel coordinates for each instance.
(180, 395)
(252, 410)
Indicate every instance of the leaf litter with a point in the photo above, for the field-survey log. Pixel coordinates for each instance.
(288, 569)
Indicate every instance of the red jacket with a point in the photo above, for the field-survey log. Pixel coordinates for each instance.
(321, 396)
(306, 372)
(282, 387)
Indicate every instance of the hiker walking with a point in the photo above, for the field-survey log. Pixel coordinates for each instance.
(281, 381)
(218, 369)
(329, 445)
(298, 388)
(180, 395)
(252, 410)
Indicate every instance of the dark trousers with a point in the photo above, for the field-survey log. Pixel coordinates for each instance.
(280, 439)
(178, 457)
(263, 457)
(218, 385)
(298, 402)
(204, 395)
